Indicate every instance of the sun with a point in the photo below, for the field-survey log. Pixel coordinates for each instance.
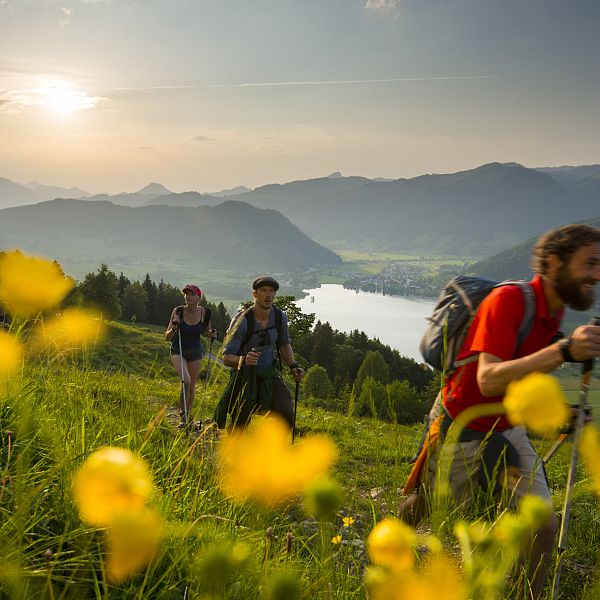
(63, 98)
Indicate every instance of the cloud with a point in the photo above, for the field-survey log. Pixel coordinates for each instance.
(202, 138)
(65, 18)
(387, 5)
(61, 96)
(146, 149)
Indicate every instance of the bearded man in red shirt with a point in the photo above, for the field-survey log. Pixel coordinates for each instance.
(567, 268)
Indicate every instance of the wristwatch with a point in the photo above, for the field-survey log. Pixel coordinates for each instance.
(293, 366)
(564, 345)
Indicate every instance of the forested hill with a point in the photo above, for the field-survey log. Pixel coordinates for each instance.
(232, 235)
(514, 263)
(475, 212)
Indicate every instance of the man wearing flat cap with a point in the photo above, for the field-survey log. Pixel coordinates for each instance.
(255, 339)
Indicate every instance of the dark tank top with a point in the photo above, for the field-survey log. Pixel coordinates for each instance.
(190, 336)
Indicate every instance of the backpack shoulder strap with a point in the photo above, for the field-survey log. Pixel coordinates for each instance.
(206, 319)
(278, 324)
(529, 315)
(529, 311)
(179, 310)
(249, 316)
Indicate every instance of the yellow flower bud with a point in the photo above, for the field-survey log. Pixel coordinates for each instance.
(534, 510)
(323, 498)
(11, 353)
(74, 329)
(112, 481)
(537, 402)
(392, 544)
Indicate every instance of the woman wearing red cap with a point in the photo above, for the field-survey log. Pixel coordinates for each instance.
(192, 321)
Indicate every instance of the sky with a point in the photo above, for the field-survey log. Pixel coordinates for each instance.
(110, 95)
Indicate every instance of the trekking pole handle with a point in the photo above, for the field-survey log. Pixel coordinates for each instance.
(588, 364)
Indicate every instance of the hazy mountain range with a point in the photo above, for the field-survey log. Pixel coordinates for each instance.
(475, 212)
(233, 236)
(139, 198)
(469, 213)
(514, 262)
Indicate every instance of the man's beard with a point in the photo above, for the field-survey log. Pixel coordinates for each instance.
(571, 290)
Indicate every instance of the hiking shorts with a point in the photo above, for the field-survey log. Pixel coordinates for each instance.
(464, 470)
(281, 404)
(190, 354)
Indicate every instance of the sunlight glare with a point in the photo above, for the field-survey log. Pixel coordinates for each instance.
(63, 99)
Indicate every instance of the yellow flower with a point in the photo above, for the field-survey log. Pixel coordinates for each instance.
(29, 285)
(589, 446)
(112, 481)
(132, 542)
(437, 575)
(347, 521)
(392, 544)
(11, 353)
(336, 539)
(72, 330)
(438, 578)
(262, 465)
(537, 402)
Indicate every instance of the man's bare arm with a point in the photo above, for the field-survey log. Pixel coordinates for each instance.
(494, 374)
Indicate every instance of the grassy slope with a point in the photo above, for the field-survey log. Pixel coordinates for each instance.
(58, 414)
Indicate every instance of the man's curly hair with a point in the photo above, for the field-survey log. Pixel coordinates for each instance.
(562, 242)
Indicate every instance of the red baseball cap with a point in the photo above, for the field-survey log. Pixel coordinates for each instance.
(193, 288)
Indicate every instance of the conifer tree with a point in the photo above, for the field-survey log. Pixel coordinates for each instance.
(151, 291)
(323, 350)
(373, 366)
(134, 303)
(101, 291)
(124, 283)
(317, 383)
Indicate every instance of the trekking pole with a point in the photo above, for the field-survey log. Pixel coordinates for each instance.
(579, 423)
(185, 408)
(557, 444)
(206, 380)
(295, 411)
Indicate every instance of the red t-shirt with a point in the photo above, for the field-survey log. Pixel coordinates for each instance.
(495, 330)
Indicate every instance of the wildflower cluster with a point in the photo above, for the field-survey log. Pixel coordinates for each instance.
(111, 490)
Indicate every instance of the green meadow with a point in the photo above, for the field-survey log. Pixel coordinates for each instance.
(124, 393)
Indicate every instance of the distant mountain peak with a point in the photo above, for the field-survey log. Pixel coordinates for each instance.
(240, 189)
(154, 188)
(336, 175)
(499, 166)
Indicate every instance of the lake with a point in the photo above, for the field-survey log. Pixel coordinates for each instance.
(397, 321)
